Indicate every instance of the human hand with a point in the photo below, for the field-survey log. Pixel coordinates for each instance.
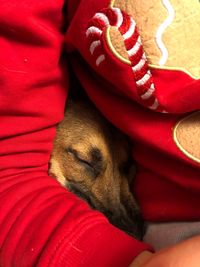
(141, 259)
(184, 254)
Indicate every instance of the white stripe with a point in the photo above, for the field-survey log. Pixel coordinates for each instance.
(144, 79)
(103, 18)
(161, 30)
(92, 30)
(94, 45)
(100, 59)
(148, 93)
(155, 105)
(135, 48)
(130, 31)
(140, 64)
(119, 15)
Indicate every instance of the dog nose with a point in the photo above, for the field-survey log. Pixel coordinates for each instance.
(133, 226)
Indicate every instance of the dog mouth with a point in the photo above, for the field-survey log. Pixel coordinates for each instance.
(116, 213)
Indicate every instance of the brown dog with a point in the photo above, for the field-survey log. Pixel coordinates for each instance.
(92, 159)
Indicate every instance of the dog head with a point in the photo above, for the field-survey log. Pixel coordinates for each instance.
(92, 159)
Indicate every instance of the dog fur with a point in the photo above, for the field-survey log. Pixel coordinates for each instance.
(92, 159)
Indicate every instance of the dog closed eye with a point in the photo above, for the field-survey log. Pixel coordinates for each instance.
(92, 165)
(78, 157)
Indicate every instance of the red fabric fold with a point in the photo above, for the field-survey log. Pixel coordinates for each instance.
(41, 224)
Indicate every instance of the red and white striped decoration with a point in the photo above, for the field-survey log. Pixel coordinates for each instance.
(127, 27)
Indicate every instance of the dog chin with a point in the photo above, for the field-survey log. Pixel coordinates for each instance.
(133, 227)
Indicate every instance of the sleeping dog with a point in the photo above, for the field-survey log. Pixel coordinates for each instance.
(91, 158)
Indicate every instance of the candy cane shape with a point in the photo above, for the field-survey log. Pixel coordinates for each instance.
(127, 27)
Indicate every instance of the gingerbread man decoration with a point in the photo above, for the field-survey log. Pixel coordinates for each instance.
(156, 34)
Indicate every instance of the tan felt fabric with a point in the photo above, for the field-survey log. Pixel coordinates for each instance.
(181, 38)
(115, 41)
(187, 136)
(143, 13)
